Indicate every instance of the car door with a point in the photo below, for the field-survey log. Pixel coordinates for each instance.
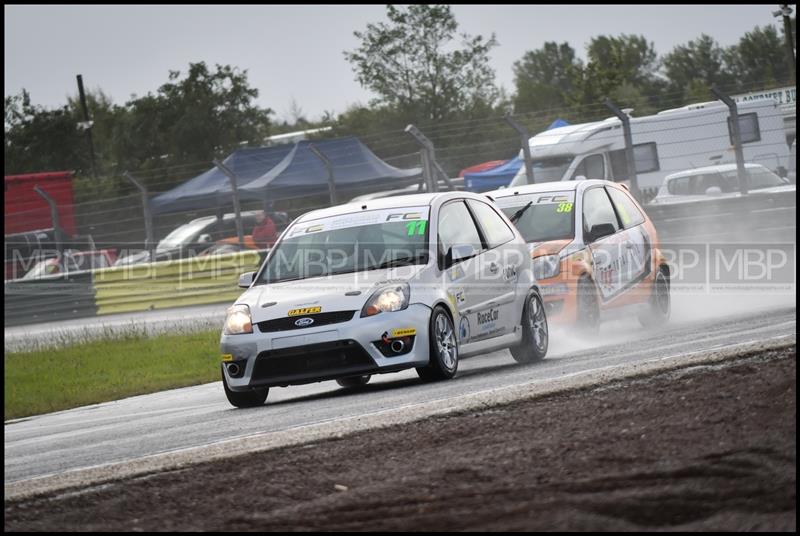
(635, 241)
(499, 269)
(456, 228)
(606, 250)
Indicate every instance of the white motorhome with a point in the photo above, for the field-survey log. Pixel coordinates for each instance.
(673, 140)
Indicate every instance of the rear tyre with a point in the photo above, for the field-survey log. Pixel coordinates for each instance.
(588, 309)
(660, 306)
(443, 349)
(354, 381)
(246, 399)
(535, 334)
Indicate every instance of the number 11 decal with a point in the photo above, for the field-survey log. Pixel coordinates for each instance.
(416, 227)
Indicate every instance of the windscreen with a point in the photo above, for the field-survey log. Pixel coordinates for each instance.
(355, 242)
(548, 216)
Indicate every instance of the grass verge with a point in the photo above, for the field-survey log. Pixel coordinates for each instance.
(55, 379)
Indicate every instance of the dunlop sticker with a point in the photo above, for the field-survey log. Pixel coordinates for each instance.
(227, 357)
(403, 332)
(305, 311)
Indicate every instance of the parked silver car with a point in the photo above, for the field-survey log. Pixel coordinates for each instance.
(713, 182)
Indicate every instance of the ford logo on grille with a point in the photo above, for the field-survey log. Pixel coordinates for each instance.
(303, 322)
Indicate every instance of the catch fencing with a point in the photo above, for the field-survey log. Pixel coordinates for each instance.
(210, 280)
(118, 221)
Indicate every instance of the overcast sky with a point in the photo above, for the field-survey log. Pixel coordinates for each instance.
(295, 52)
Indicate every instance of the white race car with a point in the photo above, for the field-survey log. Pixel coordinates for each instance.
(416, 281)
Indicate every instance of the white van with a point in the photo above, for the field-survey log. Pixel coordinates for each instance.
(673, 140)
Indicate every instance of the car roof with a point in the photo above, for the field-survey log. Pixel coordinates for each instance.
(709, 169)
(555, 186)
(413, 200)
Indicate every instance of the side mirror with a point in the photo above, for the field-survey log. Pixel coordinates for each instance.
(246, 279)
(458, 253)
(713, 191)
(600, 230)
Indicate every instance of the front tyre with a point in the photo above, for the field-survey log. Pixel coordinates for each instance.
(443, 350)
(246, 399)
(535, 334)
(588, 321)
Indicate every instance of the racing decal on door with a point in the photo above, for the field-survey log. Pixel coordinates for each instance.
(622, 261)
(456, 273)
(486, 322)
(463, 329)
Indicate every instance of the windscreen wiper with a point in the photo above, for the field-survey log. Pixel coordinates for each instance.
(400, 261)
(518, 214)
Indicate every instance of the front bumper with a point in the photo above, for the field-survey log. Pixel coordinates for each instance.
(325, 352)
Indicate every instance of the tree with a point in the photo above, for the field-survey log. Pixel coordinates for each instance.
(413, 66)
(694, 67)
(40, 139)
(758, 59)
(542, 77)
(190, 119)
(630, 58)
(623, 68)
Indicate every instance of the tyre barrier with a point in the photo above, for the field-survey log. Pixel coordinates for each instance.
(123, 289)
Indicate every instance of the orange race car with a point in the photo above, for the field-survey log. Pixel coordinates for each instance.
(594, 250)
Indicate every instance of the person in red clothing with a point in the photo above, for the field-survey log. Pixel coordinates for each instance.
(264, 233)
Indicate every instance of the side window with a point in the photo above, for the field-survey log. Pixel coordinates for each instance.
(645, 160)
(645, 157)
(494, 228)
(679, 186)
(456, 227)
(628, 212)
(591, 167)
(748, 128)
(597, 209)
(705, 181)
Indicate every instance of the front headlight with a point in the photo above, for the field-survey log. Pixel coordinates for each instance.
(546, 266)
(238, 320)
(387, 299)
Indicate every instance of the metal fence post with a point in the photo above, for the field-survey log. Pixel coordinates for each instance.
(524, 140)
(149, 242)
(236, 207)
(443, 174)
(53, 217)
(327, 163)
(736, 135)
(429, 164)
(626, 130)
